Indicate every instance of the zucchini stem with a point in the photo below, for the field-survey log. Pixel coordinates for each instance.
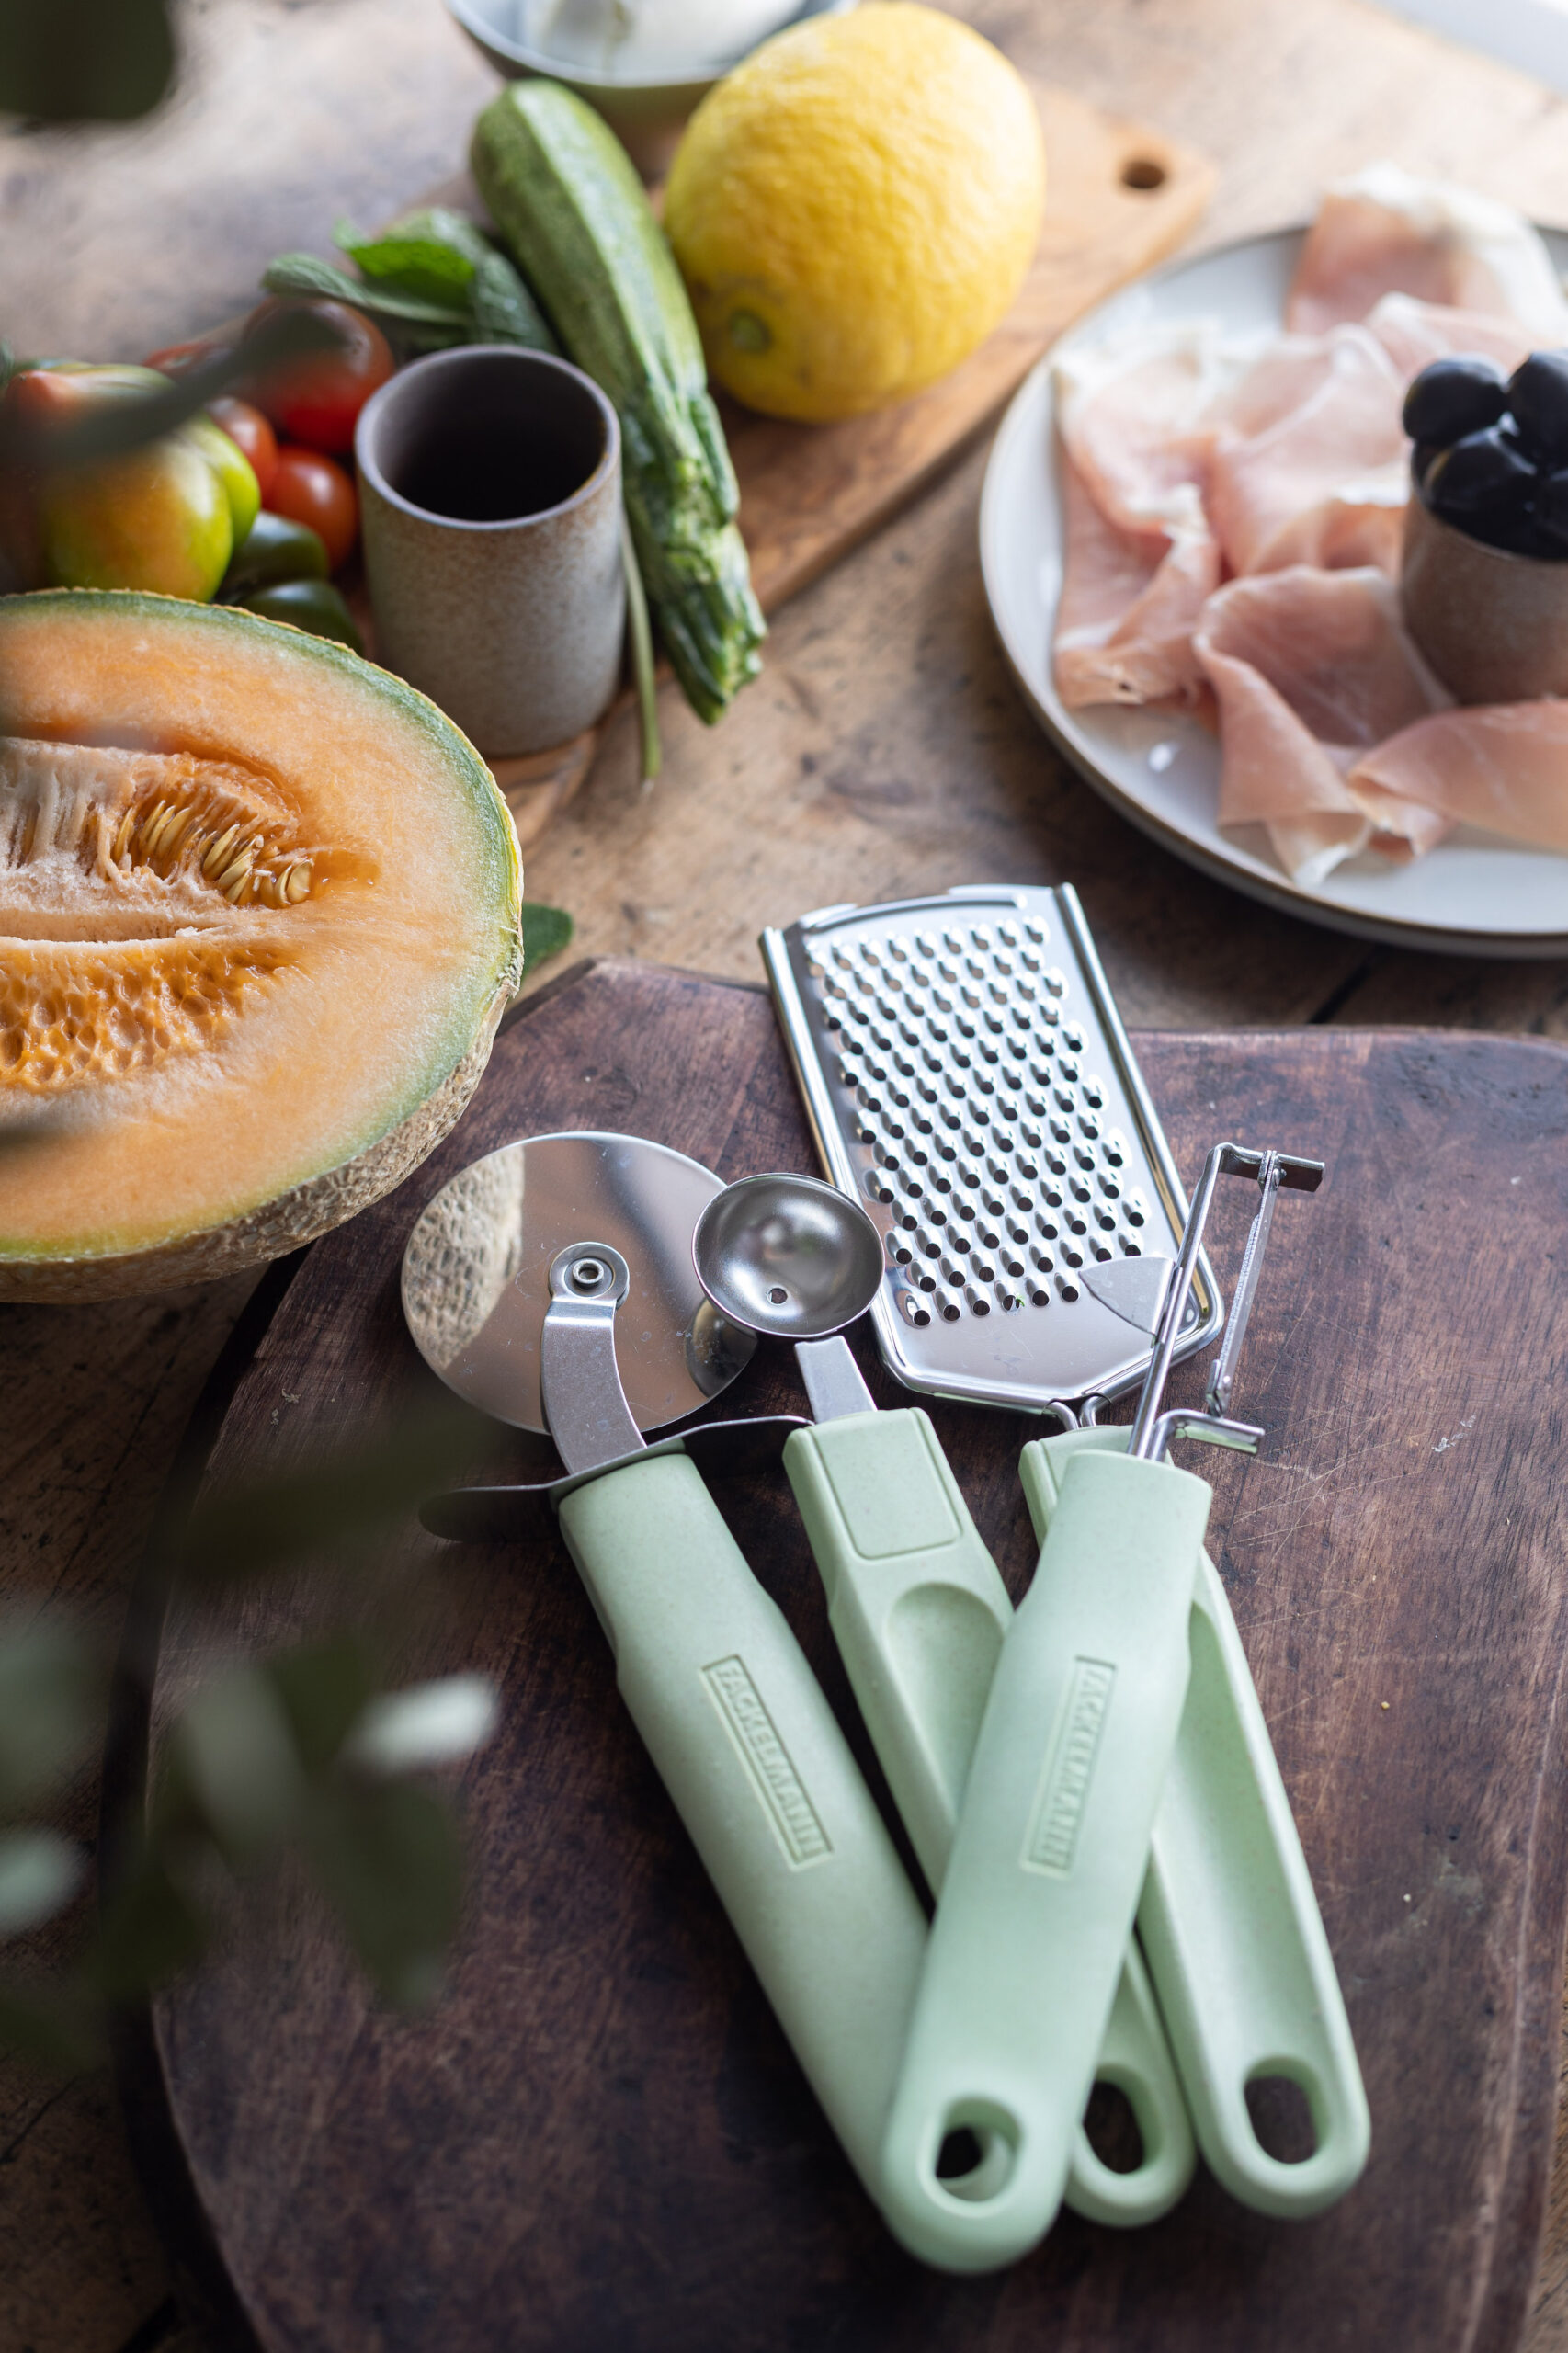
(641, 658)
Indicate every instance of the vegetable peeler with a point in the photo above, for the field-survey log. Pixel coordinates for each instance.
(552, 1285)
(968, 1079)
(1053, 1837)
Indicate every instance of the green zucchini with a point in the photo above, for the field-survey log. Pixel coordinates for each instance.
(562, 192)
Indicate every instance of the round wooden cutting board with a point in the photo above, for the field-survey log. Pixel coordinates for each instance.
(598, 2138)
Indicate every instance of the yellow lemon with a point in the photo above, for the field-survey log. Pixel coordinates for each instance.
(853, 209)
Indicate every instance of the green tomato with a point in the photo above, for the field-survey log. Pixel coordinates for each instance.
(274, 549)
(312, 604)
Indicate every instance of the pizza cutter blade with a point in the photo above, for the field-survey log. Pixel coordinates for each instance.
(552, 1284)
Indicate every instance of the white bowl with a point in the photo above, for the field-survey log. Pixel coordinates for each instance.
(647, 117)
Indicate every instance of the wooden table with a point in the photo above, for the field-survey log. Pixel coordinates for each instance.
(883, 751)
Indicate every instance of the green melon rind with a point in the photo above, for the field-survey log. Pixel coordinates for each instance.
(437, 1090)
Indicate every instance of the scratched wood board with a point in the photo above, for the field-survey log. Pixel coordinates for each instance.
(599, 2137)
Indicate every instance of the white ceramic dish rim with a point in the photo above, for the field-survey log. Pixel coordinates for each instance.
(694, 75)
(1020, 553)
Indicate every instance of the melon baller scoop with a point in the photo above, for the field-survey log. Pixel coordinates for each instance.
(552, 1285)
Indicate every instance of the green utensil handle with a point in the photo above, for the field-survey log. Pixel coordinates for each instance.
(1047, 1863)
(1231, 1930)
(919, 1614)
(762, 1778)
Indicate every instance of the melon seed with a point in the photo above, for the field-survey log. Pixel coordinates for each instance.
(220, 850)
(151, 827)
(178, 831)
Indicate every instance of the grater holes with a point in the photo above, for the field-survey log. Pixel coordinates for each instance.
(965, 1060)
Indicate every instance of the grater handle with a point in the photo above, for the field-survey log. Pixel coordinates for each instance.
(919, 1613)
(1048, 1861)
(1233, 1936)
(762, 1778)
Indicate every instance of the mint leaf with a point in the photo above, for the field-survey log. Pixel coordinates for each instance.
(546, 931)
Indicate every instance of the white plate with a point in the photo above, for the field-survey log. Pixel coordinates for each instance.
(1475, 893)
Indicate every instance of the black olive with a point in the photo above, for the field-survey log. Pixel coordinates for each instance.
(1481, 478)
(1538, 397)
(1552, 510)
(1452, 398)
(1422, 455)
(1520, 534)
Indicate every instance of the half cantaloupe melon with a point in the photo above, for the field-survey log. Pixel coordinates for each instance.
(259, 917)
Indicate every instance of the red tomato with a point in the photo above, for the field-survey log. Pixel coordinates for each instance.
(311, 489)
(316, 399)
(250, 429)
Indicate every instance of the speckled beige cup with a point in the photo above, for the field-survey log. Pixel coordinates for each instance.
(1494, 625)
(489, 504)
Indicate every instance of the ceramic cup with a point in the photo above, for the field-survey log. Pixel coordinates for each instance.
(1492, 625)
(489, 504)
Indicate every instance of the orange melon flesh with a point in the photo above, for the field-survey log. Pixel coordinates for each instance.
(260, 912)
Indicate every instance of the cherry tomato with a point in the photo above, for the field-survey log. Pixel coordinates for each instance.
(251, 430)
(311, 489)
(315, 400)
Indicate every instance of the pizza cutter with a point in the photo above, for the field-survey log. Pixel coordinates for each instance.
(552, 1285)
(919, 1613)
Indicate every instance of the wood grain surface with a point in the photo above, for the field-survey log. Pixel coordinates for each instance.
(599, 2137)
(883, 751)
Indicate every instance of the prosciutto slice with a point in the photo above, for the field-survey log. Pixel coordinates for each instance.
(1310, 670)
(1309, 458)
(1129, 603)
(1502, 766)
(1413, 334)
(1385, 232)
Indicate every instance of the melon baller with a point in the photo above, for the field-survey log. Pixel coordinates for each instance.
(551, 1284)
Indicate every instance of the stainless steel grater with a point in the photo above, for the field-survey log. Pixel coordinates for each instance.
(966, 1076)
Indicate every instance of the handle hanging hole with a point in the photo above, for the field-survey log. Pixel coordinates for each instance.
(1112, 2129)
(1281, 2119)
(979, 2151)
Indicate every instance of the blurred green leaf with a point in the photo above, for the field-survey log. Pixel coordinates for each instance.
(54, 2023)
(388, 1857)
(351, 1496)
(51, 1690)
(546, 931)
(238, 1761)
(150, 1929)
(426, 1724)
(110, 427)
(84, 61)
(39, 1872)
(323, 1688)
